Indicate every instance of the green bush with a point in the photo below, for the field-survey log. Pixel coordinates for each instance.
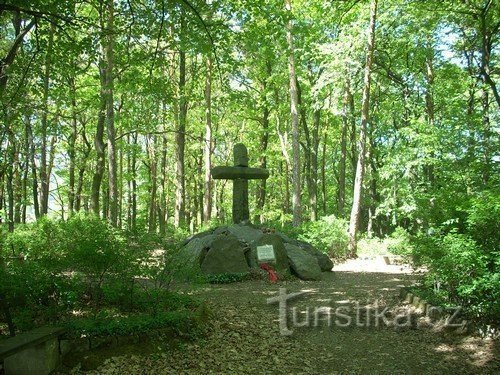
(183, 322)
(39, 241)
(85, 265)
(460, 273)
(328, 234)
(400, 243)
(227, 278)
(98, 253)
(483, 221)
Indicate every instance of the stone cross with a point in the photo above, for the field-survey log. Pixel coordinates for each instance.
(240, 174)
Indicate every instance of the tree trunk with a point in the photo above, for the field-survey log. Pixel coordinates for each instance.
(1, 195)
(365, 111)
(323, 175)
(162, 205)
(153, 166)
(208, 144)
(134, 184)
(346, 114)
(81, 171)
(99, 146)
(429, 106)
(71, 148)
(180, 140)
(313, 190)
(264, 141)
(11, 54)
(10, 177)
(34, 179)
(294, 101)
(108, 48)
(44, 175)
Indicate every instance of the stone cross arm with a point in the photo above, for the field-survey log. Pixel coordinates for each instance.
(233, 173)
(240, 173)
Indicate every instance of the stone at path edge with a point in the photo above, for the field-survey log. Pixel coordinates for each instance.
(226, 255)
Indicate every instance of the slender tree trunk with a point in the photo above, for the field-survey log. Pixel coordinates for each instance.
(485, 71)
(323, 175)
(353, 136)
(18, 188)
(313, 191)
(81, 170)
(429, 106)
(105, 198)
(34, 179)
(99, 147)
(365, 112)
(294, 101)
(11, 54)
(134, 184)
(208, 144)
(10, 177)
(343, 148)
(153, 167)
(308, 150)
(486, 48)
(44, 175)
(264, 141)
(2, 195)
(108, 48)
(71, 148)
(26, 172)
(162, 205)
(180, 141)
(6, 312)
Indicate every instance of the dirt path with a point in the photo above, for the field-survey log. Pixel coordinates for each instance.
(246, 336)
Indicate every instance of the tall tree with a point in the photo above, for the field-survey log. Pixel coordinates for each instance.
(365, 114)
(208, 143)
(180, 135)
(108, 48)
(294, 103)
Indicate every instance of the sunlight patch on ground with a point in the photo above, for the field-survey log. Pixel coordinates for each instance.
(376, 265)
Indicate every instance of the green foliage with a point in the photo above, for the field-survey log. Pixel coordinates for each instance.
(461, 273)
(38, 241)
(328, 234)
(463, 257)
(227, 278)
(400, 243)
(183, 322)
(483, 221)
(87, 266)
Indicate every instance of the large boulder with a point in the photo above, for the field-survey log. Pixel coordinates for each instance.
(233, 249)
(226, 255)
(189, 258)
(304, 265)
(193, 252)
(246, 233)
(281, 263)
(195, 236)
(324, 260)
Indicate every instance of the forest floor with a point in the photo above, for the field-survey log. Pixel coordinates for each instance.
(245, 335)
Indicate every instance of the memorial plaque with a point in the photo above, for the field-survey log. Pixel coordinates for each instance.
(265, 253)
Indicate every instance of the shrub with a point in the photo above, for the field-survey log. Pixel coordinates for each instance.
(460, 273)
(329, 235)
(483, 221)
(400, 243)
(87, 266)
(227, 278)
